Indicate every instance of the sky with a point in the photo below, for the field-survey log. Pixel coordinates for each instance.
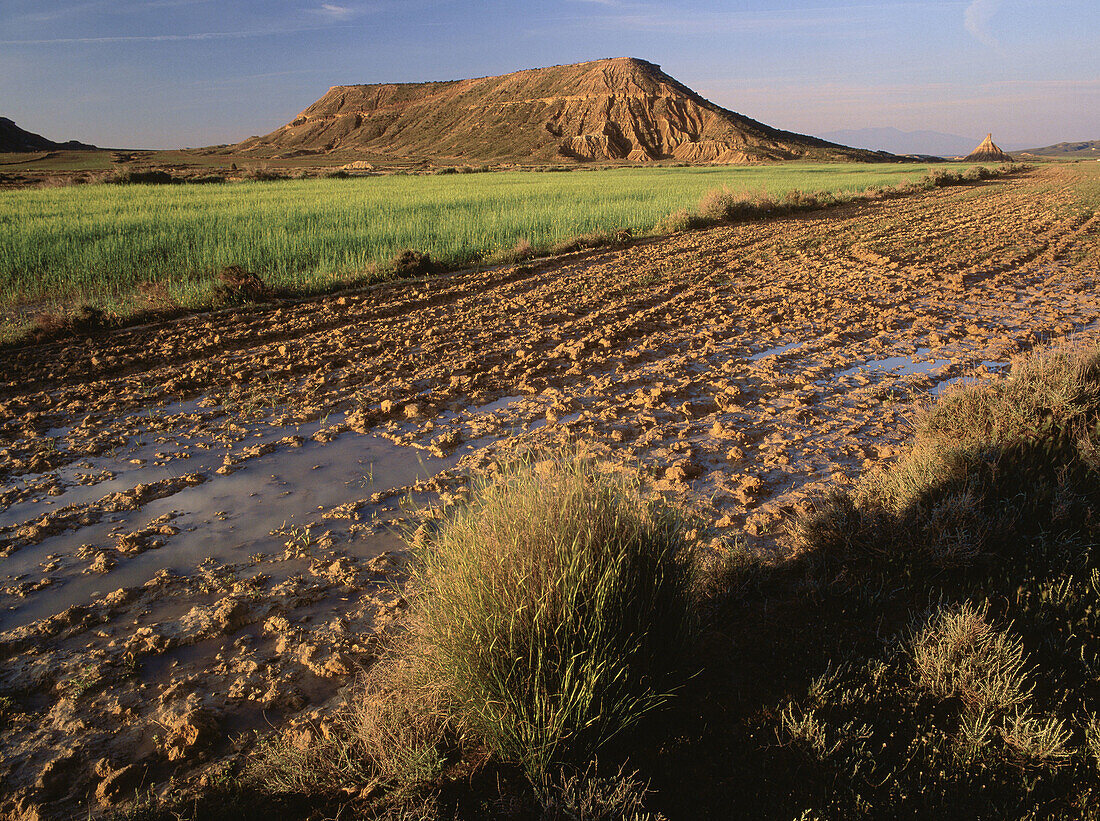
(178, 73)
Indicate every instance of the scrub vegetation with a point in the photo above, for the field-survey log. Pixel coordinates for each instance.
(925, 647)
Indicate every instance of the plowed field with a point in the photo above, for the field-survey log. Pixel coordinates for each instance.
(197, 516)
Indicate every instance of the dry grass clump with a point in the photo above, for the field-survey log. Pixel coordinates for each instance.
(84, 319)
(522, 251)
(390, 735)
(264, 174)
(724, 205)
(586, 242)
(679, 221)
(588, 796)
(553, 611)
(1059, 389)
(958, 654)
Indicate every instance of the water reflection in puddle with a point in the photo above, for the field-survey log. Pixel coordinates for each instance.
(231, 518)
(902, 365)
(497, 404)
(756, 357)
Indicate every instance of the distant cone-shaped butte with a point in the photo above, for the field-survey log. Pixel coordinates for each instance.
(988, 151)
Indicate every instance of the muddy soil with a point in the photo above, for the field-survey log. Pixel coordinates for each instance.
(199, 519)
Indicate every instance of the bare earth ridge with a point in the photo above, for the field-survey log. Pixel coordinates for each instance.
(621, 109)
(196, 514)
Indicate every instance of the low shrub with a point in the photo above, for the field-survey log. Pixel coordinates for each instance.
(797, 200)
(724, 205)
(264, 175)
(582, 242)
(680, 221)
(523, 250)
(233, 285)
(554, 611)
(84, 319)
(149, 176)
(411, 263)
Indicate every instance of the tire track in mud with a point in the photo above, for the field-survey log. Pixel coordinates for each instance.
(740, 370)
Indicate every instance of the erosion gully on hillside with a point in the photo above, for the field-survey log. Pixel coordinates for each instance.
(197, 523)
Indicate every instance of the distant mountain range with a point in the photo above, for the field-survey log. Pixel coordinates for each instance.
(621, 109)
(15, 139)
(1085, 149)
(905, 142)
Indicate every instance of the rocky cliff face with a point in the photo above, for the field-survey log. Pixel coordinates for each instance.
(620, 109)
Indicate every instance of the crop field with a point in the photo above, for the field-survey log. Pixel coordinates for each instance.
(99, 243)
(847, 425)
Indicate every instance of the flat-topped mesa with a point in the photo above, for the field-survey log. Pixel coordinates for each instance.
(988, 151)
(622, 109)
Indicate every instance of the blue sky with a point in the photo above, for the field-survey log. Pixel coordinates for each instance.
(173, 73)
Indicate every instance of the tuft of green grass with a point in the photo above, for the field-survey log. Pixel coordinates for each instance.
(554, 610)
(958, 654)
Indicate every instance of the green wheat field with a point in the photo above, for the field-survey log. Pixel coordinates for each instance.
(99, 243)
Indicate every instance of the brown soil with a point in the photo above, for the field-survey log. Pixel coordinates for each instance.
(618, 109)
(185, 565)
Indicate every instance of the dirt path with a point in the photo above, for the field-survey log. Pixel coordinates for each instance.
(196, 516)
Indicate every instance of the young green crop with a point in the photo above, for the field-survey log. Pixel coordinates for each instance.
(98, 243)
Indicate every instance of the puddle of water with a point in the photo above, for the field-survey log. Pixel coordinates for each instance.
(496, 404)
(229, 518)
(940, 387)
(991, 366)
(902, 365)
(196, 457)
(756, 357)
(564, 420)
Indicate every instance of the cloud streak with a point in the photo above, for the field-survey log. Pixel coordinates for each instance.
(649, 17)
(976, 20)
(336, 12)
(164, 38)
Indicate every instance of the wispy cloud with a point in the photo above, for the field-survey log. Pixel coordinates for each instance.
(336, 12)
(976, 19)
(622, 15)
(164, 38)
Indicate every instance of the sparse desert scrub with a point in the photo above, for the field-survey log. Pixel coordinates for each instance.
(953, 623)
